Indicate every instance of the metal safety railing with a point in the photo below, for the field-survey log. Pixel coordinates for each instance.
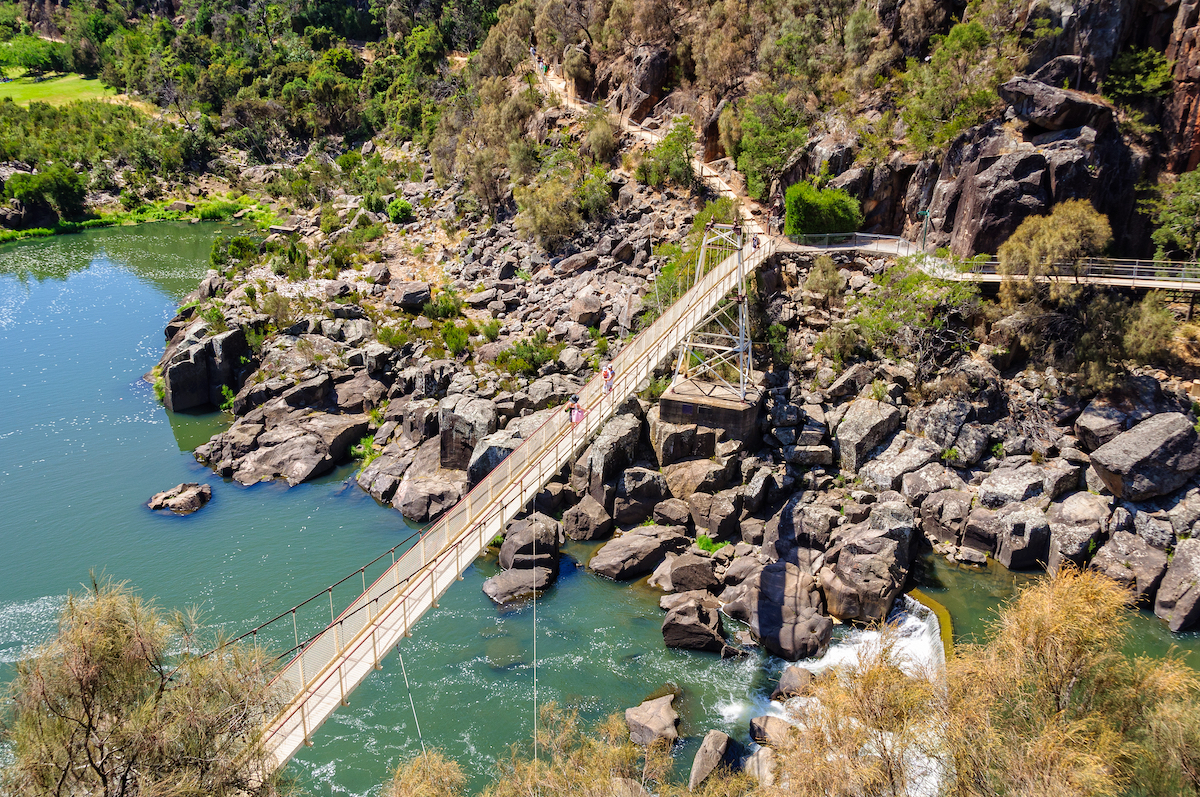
(330, 664)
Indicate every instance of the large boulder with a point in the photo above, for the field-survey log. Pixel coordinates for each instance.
(1053, 108)
(782, 605)
(490, 451)
(691, 571)
(799, 525)
(1154, 458)
(510, 585)
(410, 296)
(793, 681)
(944, 515)
(1107, 416)
(717, 750)
(1178, 600)
(1023, 538)
(693, 626)
(904, 455)
(638, 551)
(1077, 526)
(675, 442)
(464, 421)
(587, 520)
(530, 542)
(586, 309)
(940, 422)
(1130, 561)
(653, 720)
(696, 475)
(638, 490)
(918, 485)
(1011, 485)
(422, 499)
(716, 515)
(866, 424)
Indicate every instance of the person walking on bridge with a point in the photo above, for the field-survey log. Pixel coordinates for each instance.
(608, 374)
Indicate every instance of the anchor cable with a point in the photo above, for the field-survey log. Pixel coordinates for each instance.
(410, 700)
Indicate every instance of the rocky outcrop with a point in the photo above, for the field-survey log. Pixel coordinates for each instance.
(864, 426)
(1178, 599)
(871, 564)
(1131, 562)
(296, 445)
(638, 491)
(783, 607)
(182, 499)
(653, 720)
(994, 176)
(634, 83)
(1154, 458)
(613, 450)
(1023, 538)
(1054, 108)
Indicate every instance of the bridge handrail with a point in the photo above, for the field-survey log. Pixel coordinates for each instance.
(494, 495)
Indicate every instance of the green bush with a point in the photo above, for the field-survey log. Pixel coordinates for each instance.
(455, 338)
(527, 356)
(446, 304)
(671, 158)
(1137, 74)
(491, 329)
(227, 397)
(218, 210)
(57, 188)
(707, 543)
(817, 211)
(777, 340)
(400, 211)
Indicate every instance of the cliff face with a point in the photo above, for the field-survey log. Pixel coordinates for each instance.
(1181, 122)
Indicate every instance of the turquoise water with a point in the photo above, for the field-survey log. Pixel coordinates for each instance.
(84, 444)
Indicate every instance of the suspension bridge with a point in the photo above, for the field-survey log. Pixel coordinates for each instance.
(324, 668)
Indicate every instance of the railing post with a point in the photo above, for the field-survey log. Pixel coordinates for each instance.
(341, 682)
(374, 646)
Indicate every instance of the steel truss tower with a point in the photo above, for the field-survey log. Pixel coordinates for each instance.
(718, 350)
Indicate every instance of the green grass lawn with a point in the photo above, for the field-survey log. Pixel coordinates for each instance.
(56, 90)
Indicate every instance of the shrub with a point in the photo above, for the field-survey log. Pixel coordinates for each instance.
(391, 336)
(549, 210)
(671, 158)
(817, 211)
(825, 279)
(528, 355)
(227, 397)
(1150, 328)
(777, 340)
(491, 329)
(1058, 243)
(115, 703)
(455, 337)
(400, 211)
(217, 210)
(57, 188)
(707, 543)
(215, 318)
(1137, 74)
(279, 308)
(446, 304)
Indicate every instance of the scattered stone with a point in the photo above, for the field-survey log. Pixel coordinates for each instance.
(182, 499)
(653, 720)
(793, 682)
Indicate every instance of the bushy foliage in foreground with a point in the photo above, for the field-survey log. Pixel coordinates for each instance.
(118, 704)
(1048, 705)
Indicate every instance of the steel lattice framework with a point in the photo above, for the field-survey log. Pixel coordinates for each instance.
(720, 344)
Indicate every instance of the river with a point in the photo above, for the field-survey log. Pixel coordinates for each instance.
(84, 444)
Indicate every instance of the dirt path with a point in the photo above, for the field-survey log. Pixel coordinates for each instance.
(558, 86)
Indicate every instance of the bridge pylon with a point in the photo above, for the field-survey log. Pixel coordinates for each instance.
(714, 383)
